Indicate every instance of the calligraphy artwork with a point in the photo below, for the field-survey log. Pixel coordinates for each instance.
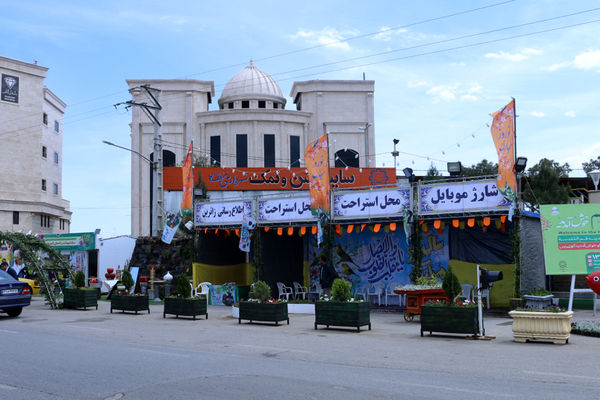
(285, 210)
(571, 234)
(226, 213)
(188, 183)
(461, 196)
(316, 158)
(370, 203)
(503, 133)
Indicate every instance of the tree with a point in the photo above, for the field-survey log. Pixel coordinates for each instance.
(543, 185)
(432, 173)
(484, 167)
(592, 165)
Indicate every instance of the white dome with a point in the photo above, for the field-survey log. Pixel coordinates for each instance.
(251, 83)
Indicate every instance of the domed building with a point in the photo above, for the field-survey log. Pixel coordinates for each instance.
(251, 128)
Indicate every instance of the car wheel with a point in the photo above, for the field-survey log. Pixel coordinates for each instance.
(14, 311)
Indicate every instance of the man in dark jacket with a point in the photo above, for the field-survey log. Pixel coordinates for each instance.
(4, 266)
(327, 275)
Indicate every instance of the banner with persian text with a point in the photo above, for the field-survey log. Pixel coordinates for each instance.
(296, 209)
(225, 213)
(503, 133)
(370, 203)
(316, 158)
(461, 197)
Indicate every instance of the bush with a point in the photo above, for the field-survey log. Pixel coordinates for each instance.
(340, 290)
(79, 280)
(260, 291)
(539, 292)
(183, 286)
(127, 280)
(451, 284)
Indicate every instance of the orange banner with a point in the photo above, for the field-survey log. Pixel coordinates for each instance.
(503, 133)
(188, 183)
(316, 157)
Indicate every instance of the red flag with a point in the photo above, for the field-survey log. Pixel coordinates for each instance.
(316, 158)
(503, 133)
(188, 183)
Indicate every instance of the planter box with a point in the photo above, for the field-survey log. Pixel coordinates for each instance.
(334, 313)
(301, 308)
(129, 303)
(538, 302)
(265, 312)
(185, 307)
(449, 320)
(541, 326)
(80, 298)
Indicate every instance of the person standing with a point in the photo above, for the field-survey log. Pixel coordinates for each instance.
(326, 275)
(4, 267)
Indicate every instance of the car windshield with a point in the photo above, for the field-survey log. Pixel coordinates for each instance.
(4, 276)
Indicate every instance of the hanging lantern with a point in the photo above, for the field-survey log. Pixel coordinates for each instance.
(338, 230)
(437, 224)
(217, 231)
(425, 228)
(497, 223)
(471, 222)
(421, 222)
(487, 221)
(455, 223)
(290, 231)
(386, 228)
(266, 229)
(237, 232)
(314, 230)
(393, 226)
(350, 228)
(376, 228)
(362, 226)
(280, 231)
(503, 218)
(302, 231)
(205, 231)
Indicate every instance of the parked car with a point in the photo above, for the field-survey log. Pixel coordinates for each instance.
(35, 286)
(14, 295)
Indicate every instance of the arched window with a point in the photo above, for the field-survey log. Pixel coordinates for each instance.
(346, 158)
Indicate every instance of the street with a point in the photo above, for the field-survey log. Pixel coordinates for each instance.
(73, 354)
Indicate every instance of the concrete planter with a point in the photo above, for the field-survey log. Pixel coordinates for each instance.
(541, 326)
(301, 308)
(539, 302)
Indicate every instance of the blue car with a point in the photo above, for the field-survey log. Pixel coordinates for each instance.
(14, 295)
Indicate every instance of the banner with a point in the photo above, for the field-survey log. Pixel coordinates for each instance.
(460, 197)
(172, 221)
(316, 158)
(188, 183)
(370, 203)
(285, 210)
(71, 241)
(571, 234)
(226, 213)
(503, 133)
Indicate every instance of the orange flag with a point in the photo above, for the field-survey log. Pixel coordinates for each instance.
(316, 158)
(188, 183)
(503, 133)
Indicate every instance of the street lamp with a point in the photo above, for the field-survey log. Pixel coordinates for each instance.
(520, 164)
(395, 153)
(595, 175)
(454, 168)
(125, 148)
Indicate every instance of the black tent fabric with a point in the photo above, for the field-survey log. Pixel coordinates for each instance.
(474, 245)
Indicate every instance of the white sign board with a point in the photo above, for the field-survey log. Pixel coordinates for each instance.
(370, 203)
(285, 210)
(461, 197)
(226, 213)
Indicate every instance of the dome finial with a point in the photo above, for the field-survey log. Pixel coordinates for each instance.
(251, 62)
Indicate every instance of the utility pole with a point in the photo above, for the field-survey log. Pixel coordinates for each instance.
(152, 110)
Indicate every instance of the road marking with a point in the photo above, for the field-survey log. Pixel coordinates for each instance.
(7, 331)
(7, 387)
(554, 374)
(495, 394)
(163, 352)
(274, 348)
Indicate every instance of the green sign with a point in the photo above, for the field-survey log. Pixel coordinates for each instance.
(71, 241)
(571, 234)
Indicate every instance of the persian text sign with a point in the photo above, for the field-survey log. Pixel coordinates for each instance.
(571, 234)
(285, 210)
(370, 203)
(226, 213)
(460, 197)
(71, 241)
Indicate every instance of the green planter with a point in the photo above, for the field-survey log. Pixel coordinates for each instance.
(335, 313)
(449, 319)
(185, 307)
(80, 298)
(129, 303)
(265, 312)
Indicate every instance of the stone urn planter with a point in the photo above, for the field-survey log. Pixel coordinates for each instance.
(449, 319)
(127, 302)
(338, 313)
(80, 298)
(264, 312)
(541, 326)
(538, 302)
(188, 307)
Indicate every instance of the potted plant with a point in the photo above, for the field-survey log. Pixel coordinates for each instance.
(184, 304)
(342, 309)
(538, 298)
(79, 296)
(125, 301)
(550, 324)
(260, 306)
(450, 316)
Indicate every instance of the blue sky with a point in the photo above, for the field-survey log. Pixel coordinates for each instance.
(437, 76)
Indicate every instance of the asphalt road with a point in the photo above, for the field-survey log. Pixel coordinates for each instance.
(70, 354)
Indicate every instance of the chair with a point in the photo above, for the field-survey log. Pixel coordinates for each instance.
(486, 293)
(377, 289)
(467, 292)
(316, 288)
(363, 292)
(389, 292)
(284, 291)
(300, 290)
(203, 288)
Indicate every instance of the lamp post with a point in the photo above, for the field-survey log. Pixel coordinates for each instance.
(595, 175)
(395, 153)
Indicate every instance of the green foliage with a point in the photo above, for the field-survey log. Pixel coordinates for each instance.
(416, 252)
(432, 173)
(484, 167)
(183, 286)
(427, 281)
(127, 280)
(544, 186)
(340, 290)
(79, 280)
(451, 284)
(515, 237)
(592, 165)
(260, 291)
(539, 292)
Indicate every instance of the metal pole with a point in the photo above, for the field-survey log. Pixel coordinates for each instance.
(157, 174)
(479, 308)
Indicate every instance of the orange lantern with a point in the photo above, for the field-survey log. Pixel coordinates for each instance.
(280, 231)
(217, 231)
(437, 224)
(314, 230)
(205, 231)
(237, 232)
(487, 221)
(421, 222)
(350, 228)
(376, 228)
(455, 223)
(471, 222)
(338, 230)
(362, 226)
(290, 231)
(503, 218)
(393, 226)
(266, 229)
(303, 230)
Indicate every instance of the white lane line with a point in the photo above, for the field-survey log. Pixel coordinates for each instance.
(166, 353)
(7, 331)
(554, 374)
(7, 387)
(455, 389)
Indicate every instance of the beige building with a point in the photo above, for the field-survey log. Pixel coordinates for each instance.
(251, 128)
(31, 152)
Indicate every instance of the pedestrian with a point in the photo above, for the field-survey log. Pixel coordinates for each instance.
(4, 267)
(326, 275)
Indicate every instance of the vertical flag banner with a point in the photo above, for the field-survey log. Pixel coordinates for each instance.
(171, 226)
(503, 133)
(188, 183)
(316, 158)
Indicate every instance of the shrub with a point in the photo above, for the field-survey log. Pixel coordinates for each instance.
(260, 291)
(183, 286)
(451, 284)
(539, 292)
(79, 280)
(340, 290)
(127, 280)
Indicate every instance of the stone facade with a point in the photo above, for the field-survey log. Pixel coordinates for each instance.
(31, 180)
(533, 270)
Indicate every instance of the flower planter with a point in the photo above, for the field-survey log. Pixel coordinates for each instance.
(80, 298)
(539, 302)
(185, 307)
(541, 326)
(301, 308)
(264, 312)
(126, 302)
(449, 320)
(335, 313)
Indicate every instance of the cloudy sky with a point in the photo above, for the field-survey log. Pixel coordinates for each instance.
(440, 68)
